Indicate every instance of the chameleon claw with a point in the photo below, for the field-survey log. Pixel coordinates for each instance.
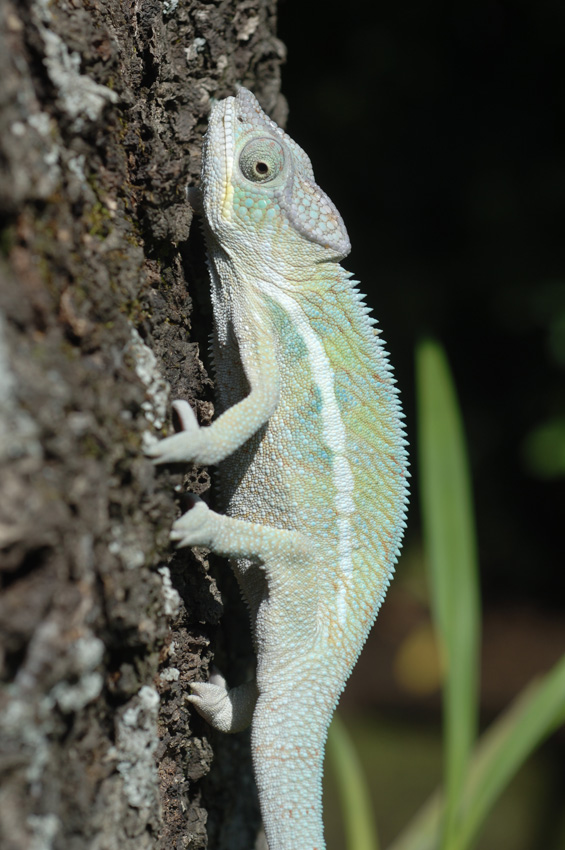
(216, 677)
(187, 417)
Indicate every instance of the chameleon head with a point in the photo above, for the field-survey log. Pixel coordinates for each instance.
(258, 187)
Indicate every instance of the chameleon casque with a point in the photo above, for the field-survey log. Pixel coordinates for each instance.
(311, 454)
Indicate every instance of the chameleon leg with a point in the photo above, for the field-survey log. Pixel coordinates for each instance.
(233, 538)
(219, 440)
(226, 709)
(266, 561)
(231, 709)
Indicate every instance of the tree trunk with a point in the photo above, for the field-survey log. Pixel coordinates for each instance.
(103, 104)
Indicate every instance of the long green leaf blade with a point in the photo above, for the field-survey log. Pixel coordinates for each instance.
(450, 543)
(358, 817)
(537, 712)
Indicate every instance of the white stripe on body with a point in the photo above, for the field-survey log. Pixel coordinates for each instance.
(334, 435)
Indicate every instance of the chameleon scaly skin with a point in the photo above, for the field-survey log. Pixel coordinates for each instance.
(311, 449)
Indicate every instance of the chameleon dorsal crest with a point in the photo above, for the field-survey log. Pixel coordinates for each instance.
(311, 453)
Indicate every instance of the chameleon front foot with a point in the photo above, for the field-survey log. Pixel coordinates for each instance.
(182, 447)
(228, 710)
(195, 527)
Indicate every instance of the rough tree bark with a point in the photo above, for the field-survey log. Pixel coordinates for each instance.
(102, 108)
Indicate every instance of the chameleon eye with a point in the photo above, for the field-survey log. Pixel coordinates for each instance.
(261, 160)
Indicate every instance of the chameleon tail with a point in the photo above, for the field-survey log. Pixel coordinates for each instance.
(288, 739)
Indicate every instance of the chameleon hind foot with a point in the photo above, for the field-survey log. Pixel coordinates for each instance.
(226, 709)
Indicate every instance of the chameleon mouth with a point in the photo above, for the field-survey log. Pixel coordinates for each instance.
(220, 143)
(229, 117)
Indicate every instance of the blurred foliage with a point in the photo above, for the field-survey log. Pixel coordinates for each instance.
(544, 449)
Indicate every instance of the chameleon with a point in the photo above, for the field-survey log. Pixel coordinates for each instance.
(310, 448)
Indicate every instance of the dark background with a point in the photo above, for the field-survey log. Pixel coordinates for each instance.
(439, 134)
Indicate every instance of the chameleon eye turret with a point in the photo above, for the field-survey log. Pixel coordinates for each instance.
(261, 160)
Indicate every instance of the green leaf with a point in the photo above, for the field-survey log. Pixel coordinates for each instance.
(449, 539)
(358, 817)
(502, 750)
(537, 712)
